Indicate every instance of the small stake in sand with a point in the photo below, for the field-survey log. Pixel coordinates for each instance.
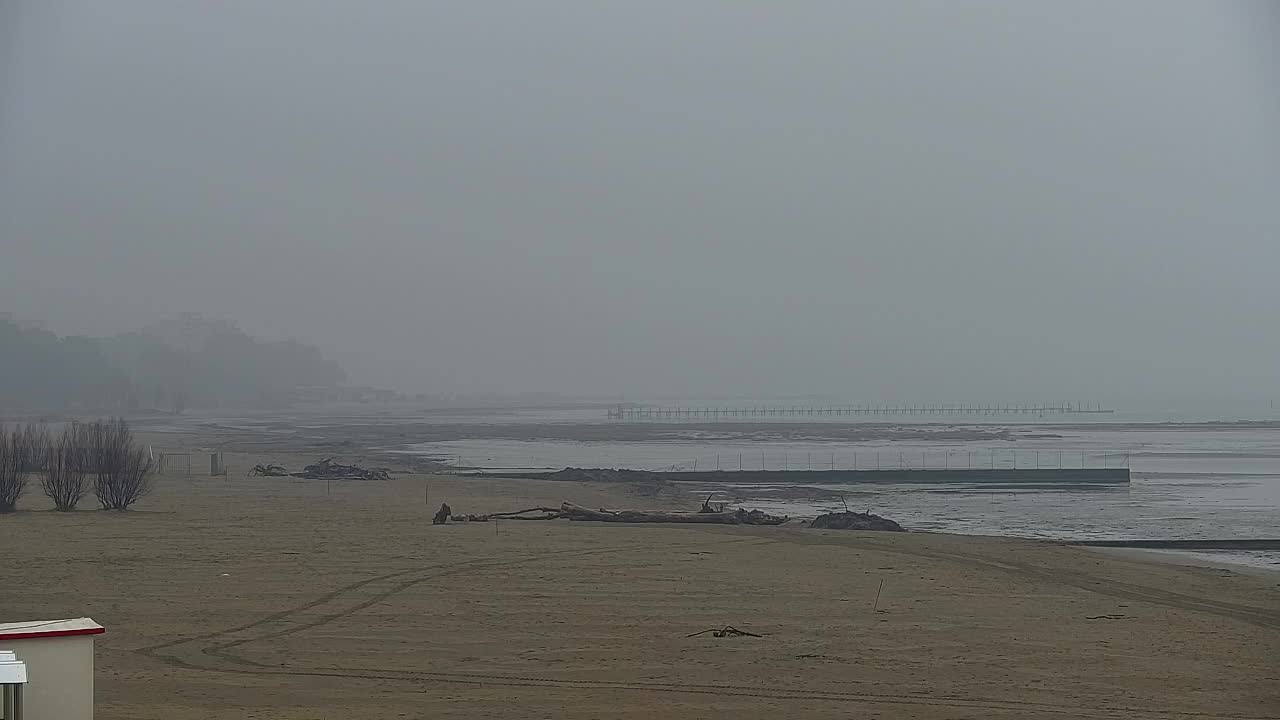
(876, 606)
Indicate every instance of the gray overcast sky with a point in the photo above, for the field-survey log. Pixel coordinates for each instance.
(893, 200)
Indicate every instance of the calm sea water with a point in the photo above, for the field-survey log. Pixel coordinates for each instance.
(1189, 481)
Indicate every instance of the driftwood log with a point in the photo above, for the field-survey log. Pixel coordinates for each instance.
(569, 511)
(737, 517)
(535, 513)
(269, 470)
(726, 631)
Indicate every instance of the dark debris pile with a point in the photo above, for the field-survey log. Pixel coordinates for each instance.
(326, 469)
(855, 521)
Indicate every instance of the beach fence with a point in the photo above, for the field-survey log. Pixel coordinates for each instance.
(179, 464)
(173, 464)
(938, 459)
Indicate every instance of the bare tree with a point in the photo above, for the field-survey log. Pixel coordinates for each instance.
(134, 482)
(21, 453)
(12, 480)
(122, 470)
(64, 478)
(108, 445)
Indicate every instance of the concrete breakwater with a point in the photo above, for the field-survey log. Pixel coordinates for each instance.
(997, 476)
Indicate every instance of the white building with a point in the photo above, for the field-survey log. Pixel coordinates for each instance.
(59, 665)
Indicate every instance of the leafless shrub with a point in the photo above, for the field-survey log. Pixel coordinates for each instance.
(12, 480)
(21, 453)
(108, 446)
(64, 478)
(122, 471)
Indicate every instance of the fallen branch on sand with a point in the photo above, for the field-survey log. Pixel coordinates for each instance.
(737, 517)
(546, 513)
(726, 631)
(569, 511)
(707, 507)
(269, 470)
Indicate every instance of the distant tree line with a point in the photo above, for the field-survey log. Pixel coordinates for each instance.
(187, 362)
(100, 456)
(41, 370)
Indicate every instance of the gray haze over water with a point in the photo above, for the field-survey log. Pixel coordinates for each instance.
(887, 201)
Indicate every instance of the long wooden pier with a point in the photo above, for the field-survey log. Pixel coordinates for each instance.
(646, 412)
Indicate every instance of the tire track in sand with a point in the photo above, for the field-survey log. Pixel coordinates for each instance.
(212, 651)
(284, 623)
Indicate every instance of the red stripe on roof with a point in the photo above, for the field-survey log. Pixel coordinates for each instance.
(51, 633)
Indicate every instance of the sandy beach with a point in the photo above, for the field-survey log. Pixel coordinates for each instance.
(659, 298)
(294, 599)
